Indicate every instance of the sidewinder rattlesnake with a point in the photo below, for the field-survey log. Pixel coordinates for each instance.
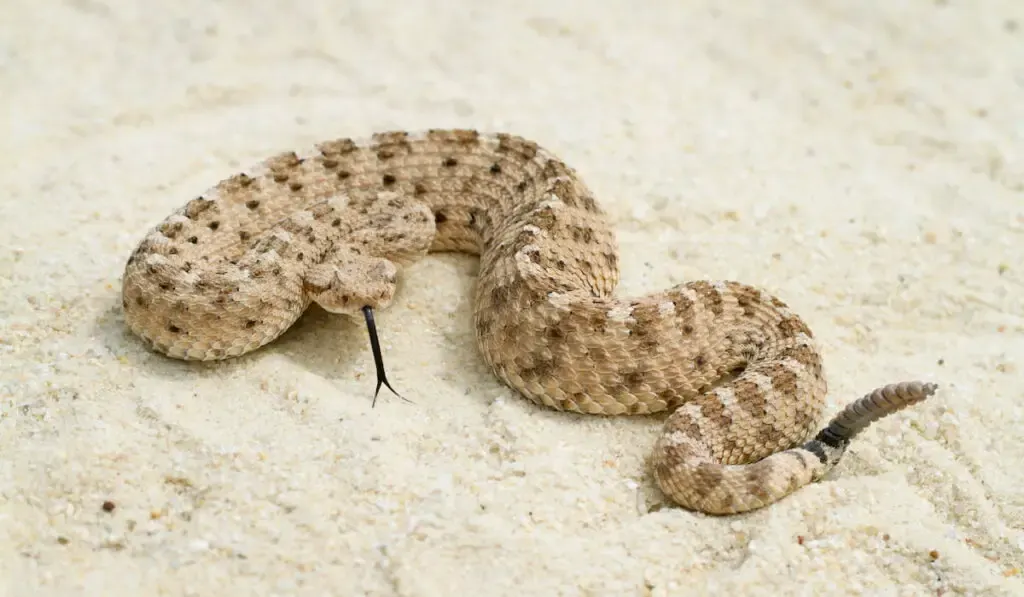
(235, 267)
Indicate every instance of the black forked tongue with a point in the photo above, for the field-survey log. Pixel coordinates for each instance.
(378, 360)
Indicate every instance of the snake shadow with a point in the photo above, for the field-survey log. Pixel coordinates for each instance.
(325, 344)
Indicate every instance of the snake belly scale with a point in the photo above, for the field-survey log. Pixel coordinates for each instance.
(232, 269)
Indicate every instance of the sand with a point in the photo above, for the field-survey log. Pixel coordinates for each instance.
(862, 160)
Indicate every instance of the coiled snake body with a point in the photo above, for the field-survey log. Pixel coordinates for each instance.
(234, 268)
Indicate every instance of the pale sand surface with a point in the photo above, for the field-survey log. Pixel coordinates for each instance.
(863, 160)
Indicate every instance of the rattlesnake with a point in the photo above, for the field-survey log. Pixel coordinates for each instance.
(232, 269)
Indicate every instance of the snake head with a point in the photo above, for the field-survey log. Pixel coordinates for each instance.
(347, 281)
